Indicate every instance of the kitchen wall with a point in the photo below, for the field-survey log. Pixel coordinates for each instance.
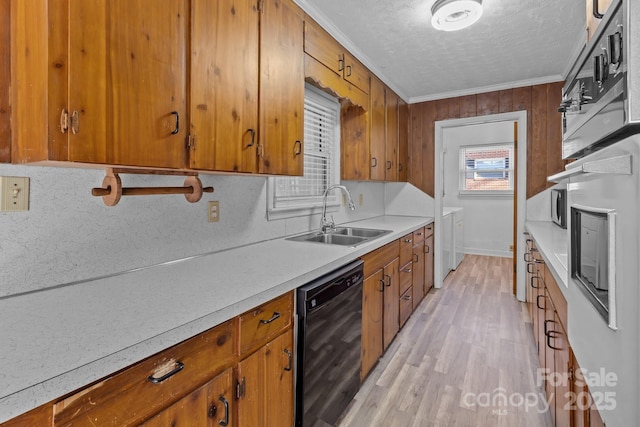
(488, 220)
(544, 133)
(68, 235)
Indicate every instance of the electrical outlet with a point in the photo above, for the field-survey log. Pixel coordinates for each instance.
(14, 193)
(361, 199)
(214, 211)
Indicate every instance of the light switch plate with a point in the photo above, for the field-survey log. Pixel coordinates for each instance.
(14, 193)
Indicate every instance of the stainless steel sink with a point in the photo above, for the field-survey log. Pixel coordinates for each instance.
(368, 233)
(344, 236)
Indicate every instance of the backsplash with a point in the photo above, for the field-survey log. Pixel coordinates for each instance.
(68, 235)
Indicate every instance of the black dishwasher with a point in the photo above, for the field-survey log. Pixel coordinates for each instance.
(329, 339)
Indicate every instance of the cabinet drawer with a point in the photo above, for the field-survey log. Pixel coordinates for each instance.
(406, 248)
(144, 389)
(406, 276)
(406, 305)
(419, 235)
(428, 230)
(265, 322)
(559, 302)
(375, 260)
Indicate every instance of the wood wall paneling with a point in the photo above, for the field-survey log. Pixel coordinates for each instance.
(544, 139)
(5, 73)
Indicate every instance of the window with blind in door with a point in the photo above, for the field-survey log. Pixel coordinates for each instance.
(302, 195)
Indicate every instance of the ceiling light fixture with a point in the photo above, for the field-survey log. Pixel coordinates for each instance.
(453, 15)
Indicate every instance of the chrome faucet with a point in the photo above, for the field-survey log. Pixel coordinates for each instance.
(326, 226)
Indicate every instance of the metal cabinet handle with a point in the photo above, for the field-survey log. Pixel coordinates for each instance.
(538, 302)
(225, 402)
(400, 167)
(374, 162)
(389, 164)
(177, 128)
(552, 335)
(253, 137)
(537, 278)
(596, 11)
(529, 268)
(340, 62)
(407, 270)
(297, 148)
(381, 285)
(527, 258)
(275, 316)
(389, 282)
(408, 240)
(416, 258)
(290, 362)
(157, 380)
(546, 322)
(348, 70)
(427, 249)
(407, 297)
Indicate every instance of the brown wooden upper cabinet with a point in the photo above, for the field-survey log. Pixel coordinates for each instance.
(595, 12)
(113, 80)
(386, 122)
(320, 45)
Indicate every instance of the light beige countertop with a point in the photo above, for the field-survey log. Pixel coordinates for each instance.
(58, 340)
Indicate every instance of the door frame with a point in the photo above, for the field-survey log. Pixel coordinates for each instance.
(520, 117)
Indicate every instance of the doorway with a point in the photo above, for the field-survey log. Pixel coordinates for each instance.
(449, 127)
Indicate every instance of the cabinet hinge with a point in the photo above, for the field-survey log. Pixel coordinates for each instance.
(191, 142)
(241, 387)
(570, 373)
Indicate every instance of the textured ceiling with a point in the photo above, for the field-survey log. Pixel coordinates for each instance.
(515, 43)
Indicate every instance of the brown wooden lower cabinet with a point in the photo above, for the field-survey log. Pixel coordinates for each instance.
(239, 373)
(210, 405)
(570, 403)
(266, 385)
(371, 350)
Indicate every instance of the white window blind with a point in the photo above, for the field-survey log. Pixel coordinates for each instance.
(486, 168)
(321, 156)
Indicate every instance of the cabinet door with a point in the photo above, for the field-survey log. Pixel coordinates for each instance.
(210, 405)
(403, 141)
(559, 343)
(281, 88)
(224, 85)
(592, 21)
(428, 265)
(266, 378)
(419, 272)
(391, 143)
(377, 138)
(372, 292)
(391, 310)
(127, 82)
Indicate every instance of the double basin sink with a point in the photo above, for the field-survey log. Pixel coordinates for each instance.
(344, 236)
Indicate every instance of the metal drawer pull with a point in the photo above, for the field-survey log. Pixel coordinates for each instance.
(525, 257)
(529, 269)
(275, 316)
(177, 128)
(225, 402)
(534, 277)
(416, 258)
(408, 240)
(546, 330)
(348, 70)
(407, 297)
(389, 164)
(157, 380)
(374, 162)
(388, 277)
(407, 270)
(552, 335)
(290, 356)
(538, 301)
(427, 249)
(596, 10)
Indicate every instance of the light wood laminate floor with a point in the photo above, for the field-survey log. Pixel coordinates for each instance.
(466, 357)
